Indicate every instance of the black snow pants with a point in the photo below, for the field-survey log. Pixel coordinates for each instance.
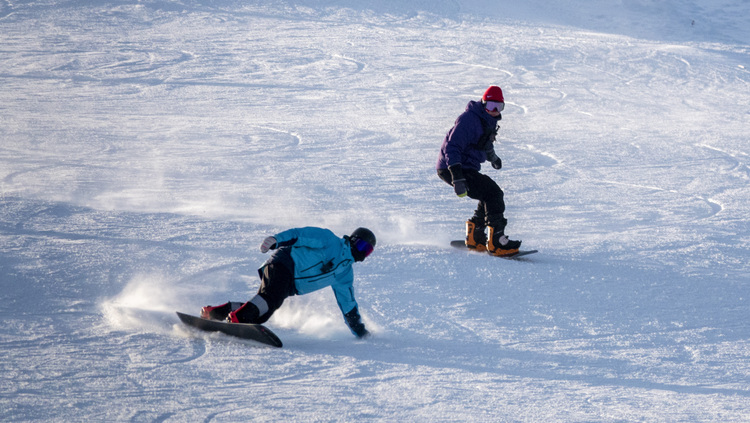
(276, 284)
(491, 208)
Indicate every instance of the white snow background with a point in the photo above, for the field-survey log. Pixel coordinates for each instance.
(148, 147)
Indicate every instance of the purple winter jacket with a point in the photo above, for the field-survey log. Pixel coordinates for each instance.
(460, 145)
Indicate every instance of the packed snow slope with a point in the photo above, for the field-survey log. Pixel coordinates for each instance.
(148, 147)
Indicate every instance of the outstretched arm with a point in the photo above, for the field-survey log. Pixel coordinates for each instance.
(345, 299)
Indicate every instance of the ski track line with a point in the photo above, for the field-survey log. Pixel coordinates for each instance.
(739, 165)
(361, 66)
(543, 158)
(11, 176)
(72, 236)
(295, 136)
(150, 82)
(147, 414)
(199, 350)
(6, 9)
(145, 61)
(474, 65)
(716, 207)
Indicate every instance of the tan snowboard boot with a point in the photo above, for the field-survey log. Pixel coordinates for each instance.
(475, 237)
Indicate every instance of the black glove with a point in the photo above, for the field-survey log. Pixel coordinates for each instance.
(363, 333)
(459, 182)
(459, 187)
(355, 324)
(492, 157)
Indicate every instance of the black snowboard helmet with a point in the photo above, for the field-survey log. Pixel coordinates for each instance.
(362, 242)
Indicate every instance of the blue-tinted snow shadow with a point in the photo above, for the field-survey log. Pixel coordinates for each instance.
(553, 318)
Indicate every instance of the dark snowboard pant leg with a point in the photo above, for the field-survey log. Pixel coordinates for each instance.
(491, 205)
(491, 208)
(480, 215)
(277, 283)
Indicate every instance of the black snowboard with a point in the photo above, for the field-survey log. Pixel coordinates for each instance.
(257, 333)
(462, 245)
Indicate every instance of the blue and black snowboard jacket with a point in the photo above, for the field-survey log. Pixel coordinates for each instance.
(321, 259)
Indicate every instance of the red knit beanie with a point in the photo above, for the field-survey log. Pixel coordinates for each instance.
(493, 93)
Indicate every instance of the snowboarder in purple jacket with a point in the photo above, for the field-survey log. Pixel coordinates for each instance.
(466, 146)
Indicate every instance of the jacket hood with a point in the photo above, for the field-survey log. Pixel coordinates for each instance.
(478, 109)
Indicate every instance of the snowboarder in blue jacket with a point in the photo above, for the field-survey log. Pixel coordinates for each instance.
(468, 144)
(306, 260)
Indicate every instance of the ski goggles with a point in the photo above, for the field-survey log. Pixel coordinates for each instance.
(363, 247)
(492, 106)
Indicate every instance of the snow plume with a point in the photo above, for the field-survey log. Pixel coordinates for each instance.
(148, 303)
(406, 230)
(315, 315)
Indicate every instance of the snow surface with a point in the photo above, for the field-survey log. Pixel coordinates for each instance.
(149, 146)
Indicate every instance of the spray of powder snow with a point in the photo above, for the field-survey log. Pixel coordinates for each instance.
(315, 315)
(148, 303)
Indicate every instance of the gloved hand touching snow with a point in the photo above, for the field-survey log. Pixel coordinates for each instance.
(354, 321)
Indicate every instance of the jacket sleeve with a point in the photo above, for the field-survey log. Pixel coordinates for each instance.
(345, 296)
(305, 237)
(458, 139)
(350, 310)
